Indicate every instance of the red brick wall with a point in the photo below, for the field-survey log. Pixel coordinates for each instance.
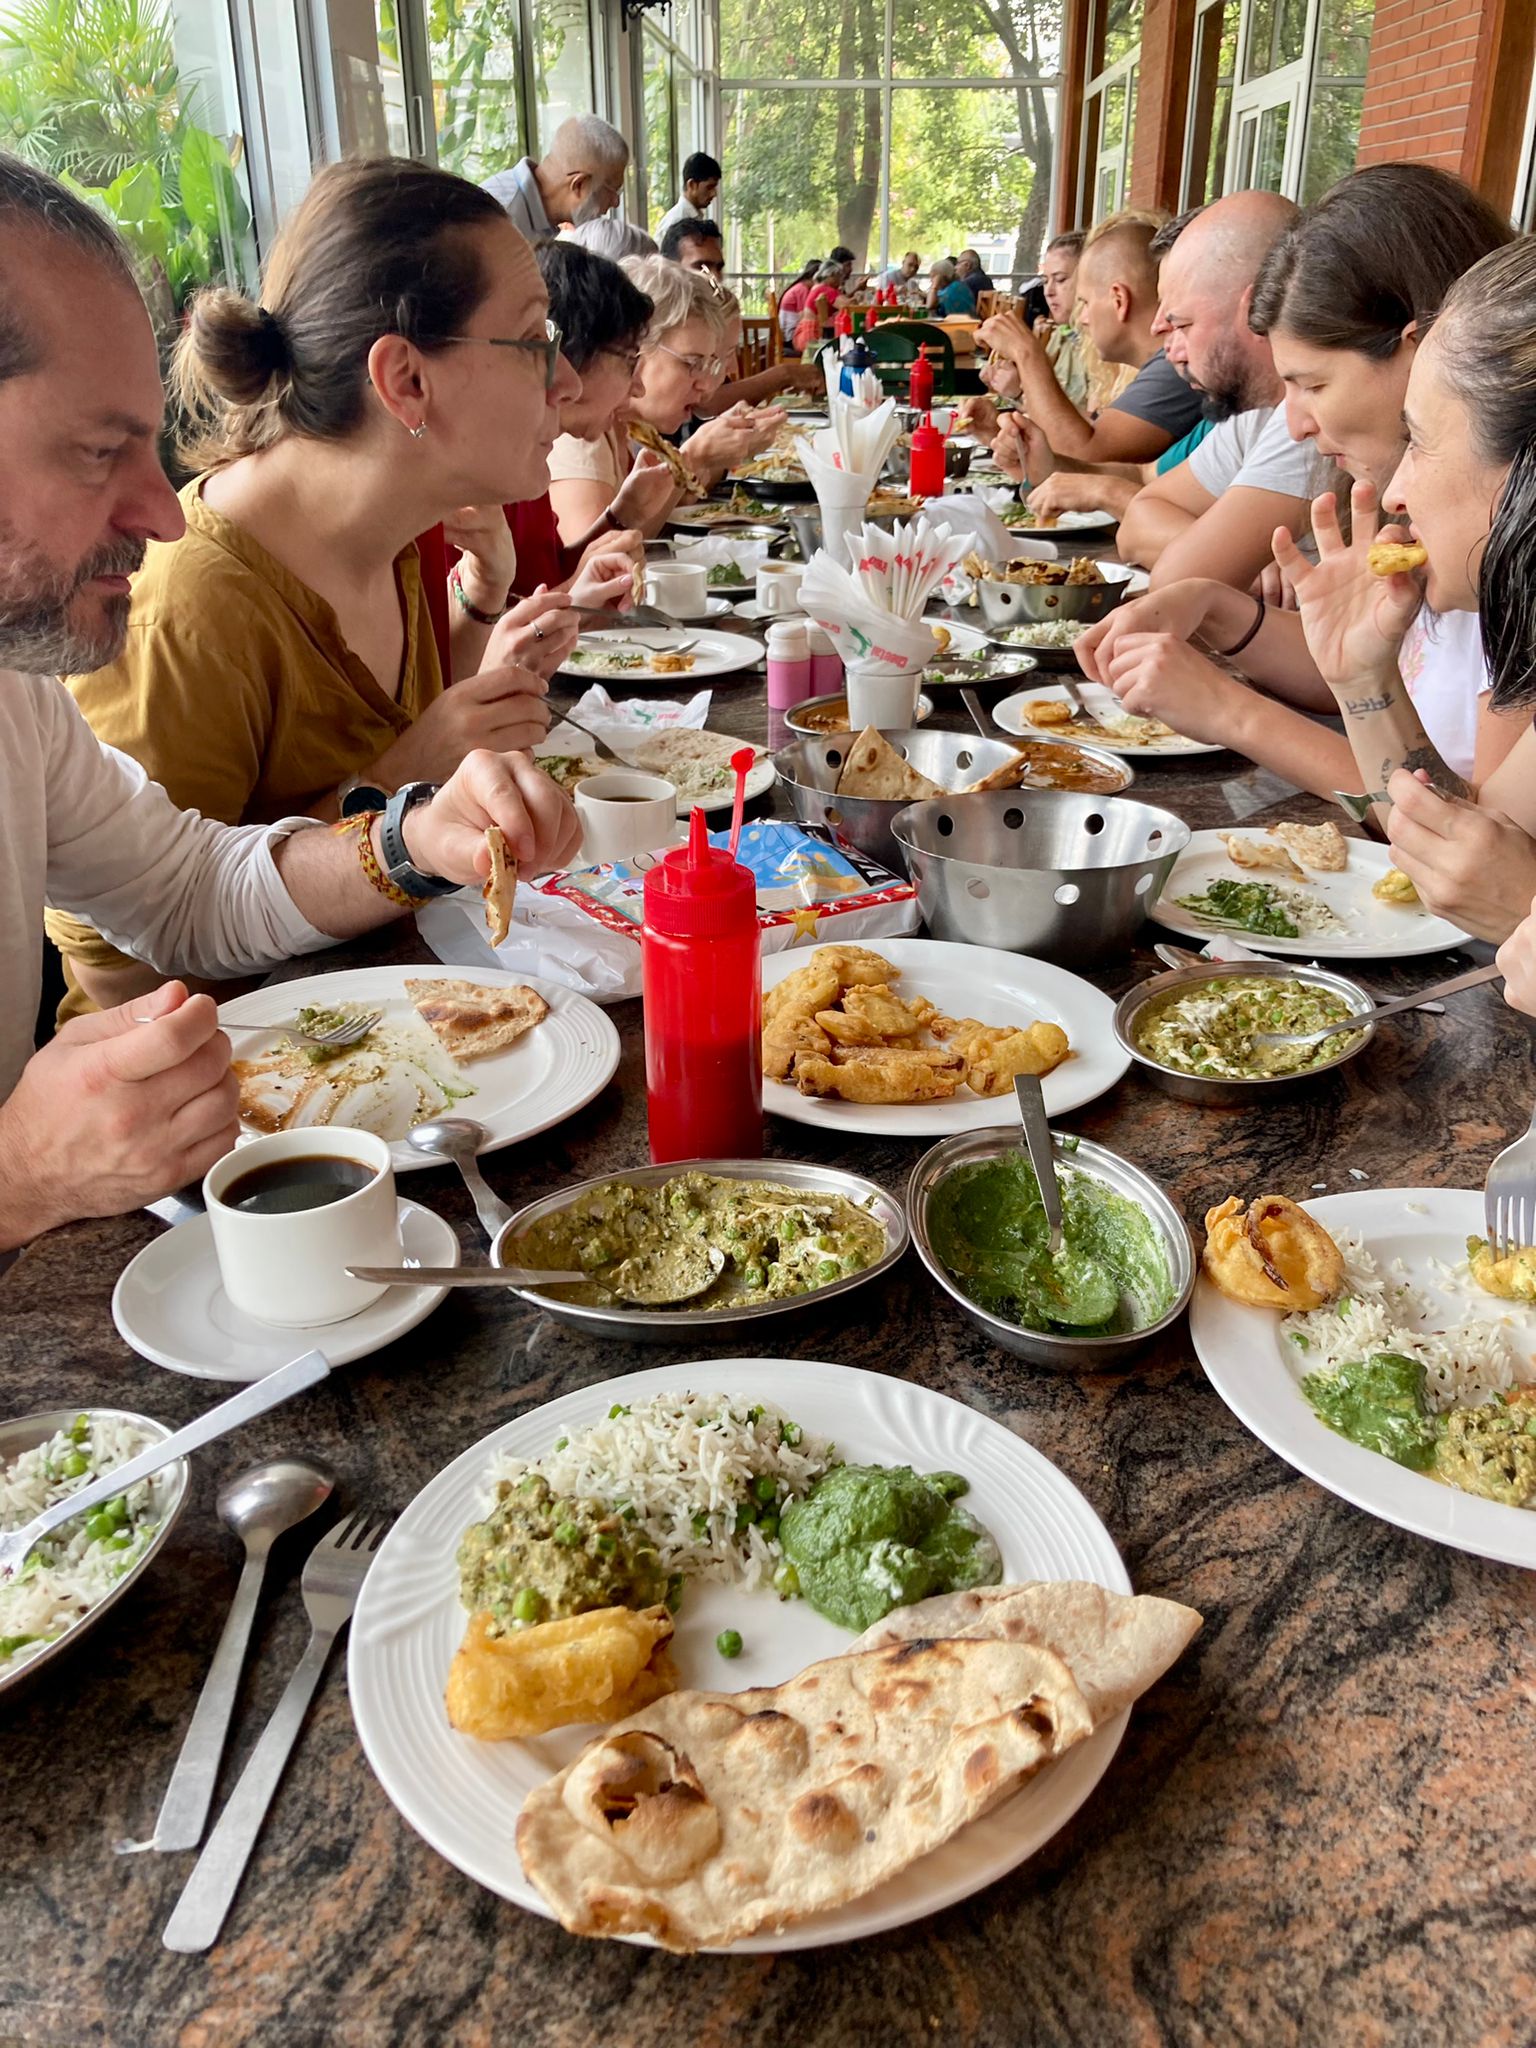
(1419, 89)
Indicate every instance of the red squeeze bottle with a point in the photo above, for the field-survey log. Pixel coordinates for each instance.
(701, 962)
(925, 471)
(920, 389)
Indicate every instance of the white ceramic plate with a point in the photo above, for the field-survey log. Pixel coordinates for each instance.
(464, 1797)
(1258, 1373)
(715, 607)
(1065, 522)
(968, 640)
(170, 1306)
(714, 654)
(551, 1072)
(969, 981)
(1373, 930)
(1012, 714)
(761, 776)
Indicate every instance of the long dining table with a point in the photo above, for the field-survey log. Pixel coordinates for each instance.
(1317, 1830)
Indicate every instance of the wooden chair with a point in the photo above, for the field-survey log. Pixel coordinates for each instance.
(986, 305)
(775, 332)
(757, 343)
(894, 345)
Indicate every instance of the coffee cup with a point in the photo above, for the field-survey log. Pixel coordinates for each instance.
(292, 1211)
(883, 697)
(680, 589)
(624, 813)
(778, 586)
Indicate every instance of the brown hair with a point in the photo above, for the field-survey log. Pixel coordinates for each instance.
(32, 200)
(377, 246)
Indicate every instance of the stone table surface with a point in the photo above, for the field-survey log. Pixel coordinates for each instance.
(1318, 1828)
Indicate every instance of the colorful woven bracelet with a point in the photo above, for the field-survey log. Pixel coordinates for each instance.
(361, 822)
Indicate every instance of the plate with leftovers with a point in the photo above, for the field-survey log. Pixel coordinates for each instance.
(1048, 712)
(733, 513)
(516, 1054)
(1062, 522)
(916, 1038)
(634, 654)
(698, 763)
(1395, 1380)
(1305, 891)
(1204, 1031)
(725, 1525)
(74, 1575)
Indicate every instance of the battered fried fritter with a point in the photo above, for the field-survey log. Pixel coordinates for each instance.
(883, 1075)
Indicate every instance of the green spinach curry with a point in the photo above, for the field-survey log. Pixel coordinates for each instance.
(868, 1538)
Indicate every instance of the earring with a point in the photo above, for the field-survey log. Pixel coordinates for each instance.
(418, 430)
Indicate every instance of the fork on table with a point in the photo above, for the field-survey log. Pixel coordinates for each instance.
(1509, 1197)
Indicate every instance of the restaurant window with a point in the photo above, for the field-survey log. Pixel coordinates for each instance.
(1109, 103)
(667, 46)
(1210, 103)
(1338, 93)
(887, 125)
(1275, 96)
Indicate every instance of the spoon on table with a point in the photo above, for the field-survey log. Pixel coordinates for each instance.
(1358, 1019)
(257, 1505)
(641, 1279)
(1089, 1293)
(459, 1139)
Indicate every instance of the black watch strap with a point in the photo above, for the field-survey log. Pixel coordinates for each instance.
(397, 862)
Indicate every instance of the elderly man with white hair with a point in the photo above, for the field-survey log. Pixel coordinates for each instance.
(579, 178)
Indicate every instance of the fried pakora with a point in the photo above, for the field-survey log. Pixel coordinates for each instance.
(1512, 1278)
(1271, 1254)
(599, 1666)
(994, 1053)
(1395, 887)
(884, 1074)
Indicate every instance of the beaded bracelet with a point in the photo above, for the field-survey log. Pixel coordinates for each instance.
(472, 611)
(362, 822)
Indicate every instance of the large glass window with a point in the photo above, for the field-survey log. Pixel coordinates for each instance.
(474, 47)
(1210, 103)
(669, 96)
(1338, 93)
(1109, 104)
(562, 63)
(1275, 96)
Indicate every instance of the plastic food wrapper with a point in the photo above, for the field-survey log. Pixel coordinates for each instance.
(581, 927)
(625, 718)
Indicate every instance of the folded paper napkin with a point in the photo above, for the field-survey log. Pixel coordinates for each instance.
(874, 609)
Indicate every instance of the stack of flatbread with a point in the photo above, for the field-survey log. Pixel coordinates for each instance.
(711, 1816)
(873, 768)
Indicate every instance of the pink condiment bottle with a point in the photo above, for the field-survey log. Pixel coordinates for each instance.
(702, 988)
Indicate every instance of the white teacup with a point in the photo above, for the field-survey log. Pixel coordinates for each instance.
(882, 697)
(624, 813)
(287, 1264)
(678, 588)
(778, 585)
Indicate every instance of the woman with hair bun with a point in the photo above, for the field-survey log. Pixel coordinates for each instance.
(398, 373)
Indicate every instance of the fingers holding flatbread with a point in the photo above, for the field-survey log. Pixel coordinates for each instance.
(500, 886)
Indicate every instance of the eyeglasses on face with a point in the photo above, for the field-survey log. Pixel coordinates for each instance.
(629, 357)
(548, 348)
(696, 366)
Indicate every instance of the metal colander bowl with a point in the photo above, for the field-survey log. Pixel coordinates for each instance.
(1067, 878)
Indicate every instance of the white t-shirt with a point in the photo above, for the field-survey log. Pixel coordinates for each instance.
(1441, 664)
(684, 210)
(87, 831)
(1254, 451)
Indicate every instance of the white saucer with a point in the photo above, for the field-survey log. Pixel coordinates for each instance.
(170, 1306)
(749, 608)
(715, 607)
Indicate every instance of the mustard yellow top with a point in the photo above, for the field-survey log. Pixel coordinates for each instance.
(236, 691)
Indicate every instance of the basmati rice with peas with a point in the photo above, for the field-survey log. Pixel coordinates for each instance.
(69, 1573)
(684, 1463)
(1466, 1360)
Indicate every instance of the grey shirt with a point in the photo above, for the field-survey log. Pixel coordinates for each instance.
(518, 191)
(1159, 395)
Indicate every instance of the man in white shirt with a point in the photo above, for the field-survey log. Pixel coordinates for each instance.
(579, 178)
(125, 1105)
(701, 182)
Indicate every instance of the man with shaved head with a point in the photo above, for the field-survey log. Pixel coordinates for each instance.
(1262, 477)
(1117, 300)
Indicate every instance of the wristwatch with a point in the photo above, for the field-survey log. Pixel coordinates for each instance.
(396, 862)
(357, 793)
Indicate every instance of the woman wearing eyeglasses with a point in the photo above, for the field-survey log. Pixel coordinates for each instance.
(679, 365)
(280, 657)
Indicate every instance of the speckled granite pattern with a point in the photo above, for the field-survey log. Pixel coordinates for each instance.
(1319, 1827)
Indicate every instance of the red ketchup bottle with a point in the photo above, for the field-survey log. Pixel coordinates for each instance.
(925, 472)
(920, 389)
(702, 967)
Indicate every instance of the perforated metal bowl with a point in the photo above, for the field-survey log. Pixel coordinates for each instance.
(1067, 878)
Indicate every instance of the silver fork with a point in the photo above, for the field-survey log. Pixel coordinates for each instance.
(1509, 1197)
(333, 1579)
(347, 1032)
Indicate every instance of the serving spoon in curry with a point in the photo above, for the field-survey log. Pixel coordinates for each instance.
(660, 1277)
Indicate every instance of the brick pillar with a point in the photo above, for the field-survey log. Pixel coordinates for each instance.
(1162, 103)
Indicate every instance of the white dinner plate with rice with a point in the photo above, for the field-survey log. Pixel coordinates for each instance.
(1416, 1239)
(463, 1797)
(551, 1072)
(70, 1580)
(1009, 989)
(628, 654)
(1339, 917)
(1015, 714)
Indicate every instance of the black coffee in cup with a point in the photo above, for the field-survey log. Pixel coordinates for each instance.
(305, 1180)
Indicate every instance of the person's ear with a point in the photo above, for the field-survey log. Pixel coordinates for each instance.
(579, 184)
(1121, 297)
(1244, 308)
(1410, 334)
(397, 371)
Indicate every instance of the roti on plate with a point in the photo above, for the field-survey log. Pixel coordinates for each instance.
(1323, 847)
(500, 885)
(1259, 853)
(470, 1019)
(875, 769)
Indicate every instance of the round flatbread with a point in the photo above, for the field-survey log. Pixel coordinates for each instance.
(500, 886)
(471, 1020)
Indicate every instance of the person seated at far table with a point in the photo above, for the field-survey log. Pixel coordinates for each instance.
(786, 379)
(901, 278)
(947, 294)
(969, 270)
(120, 1109)
(281, 655)
(793, 300)
(681, 365)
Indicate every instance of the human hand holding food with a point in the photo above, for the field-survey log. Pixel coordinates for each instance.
(721, 443)
(1156, 675)
(502, 709)
(536, 634)
(538, 821)
(1070, 490)
(1021, 449)
(979, 416)
(605, 581)
(1010, 335)
(645, 497)
(1474, 866)
(487, 556)
(120, 1108)
(999, 375)
(1516, 961)
(1354, 621)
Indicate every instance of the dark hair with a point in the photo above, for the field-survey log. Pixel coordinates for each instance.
(700, 166)
(806, 272)
(683, 231)
(31, 199)
(1378, 250)
(376, 246)
(1170, 232)
(841, 254)
(591, 301)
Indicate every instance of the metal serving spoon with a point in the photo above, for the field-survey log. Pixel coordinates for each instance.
(1092, 1285)
(635, 1279)
(257, 1505)
(1360, 1018)
(459, 1138)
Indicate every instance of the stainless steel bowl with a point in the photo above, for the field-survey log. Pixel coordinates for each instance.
(795, 716)
(810, 767)
(1223, 1093)
(684, 1324)
(26, 1434)
(805, 524)
(1043, 604)
(1068, 878)
(1053, 1347)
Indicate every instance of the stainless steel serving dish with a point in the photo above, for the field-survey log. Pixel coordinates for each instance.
(1068, 878)
(810, 767)
(805, 525)
(685, 1324)
(796, 716)
(1223, 1093)
(1043, 604)
(1043, 1347)
(25, 1434)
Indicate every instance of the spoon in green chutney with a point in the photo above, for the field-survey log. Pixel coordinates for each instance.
(1084, 1292)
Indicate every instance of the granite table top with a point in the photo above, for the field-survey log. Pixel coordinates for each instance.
(1318, 1828)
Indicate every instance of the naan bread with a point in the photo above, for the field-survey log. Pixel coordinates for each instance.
(712, 1815)
(1008, 776)
(873, 768)
(1258, 853)
(471, 1019)
(500, 886)
(647, 436)
(1116, 1645)
(1323, 847)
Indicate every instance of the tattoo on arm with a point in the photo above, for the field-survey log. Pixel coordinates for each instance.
(1443, 778)
(1358, 707)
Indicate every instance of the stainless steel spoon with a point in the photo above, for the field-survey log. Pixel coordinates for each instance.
(1358, 1019)
(1042, 1153)
(257, 1505)
(459, 1138)
(640, 1279)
